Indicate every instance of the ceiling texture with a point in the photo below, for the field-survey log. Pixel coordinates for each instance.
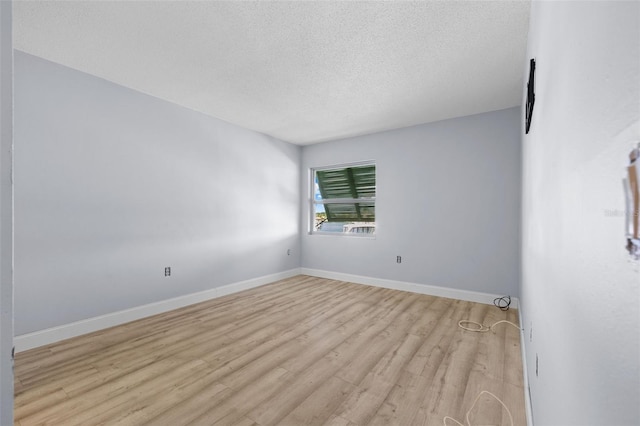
(303, 72)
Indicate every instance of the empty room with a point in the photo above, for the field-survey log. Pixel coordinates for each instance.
(320, 212)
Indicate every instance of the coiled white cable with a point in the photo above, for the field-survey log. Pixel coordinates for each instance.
(481, 328)
(444, 420)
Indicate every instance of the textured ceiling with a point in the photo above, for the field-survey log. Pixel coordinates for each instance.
(302, 72)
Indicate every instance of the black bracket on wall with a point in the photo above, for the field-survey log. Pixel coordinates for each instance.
(531, 95)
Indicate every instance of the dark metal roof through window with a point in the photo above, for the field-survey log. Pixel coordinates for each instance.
(348, 193)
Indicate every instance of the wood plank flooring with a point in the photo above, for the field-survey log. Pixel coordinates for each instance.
(299, 351)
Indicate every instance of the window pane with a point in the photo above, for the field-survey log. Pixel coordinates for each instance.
(351, 228)
(359, 212)
(350, 184)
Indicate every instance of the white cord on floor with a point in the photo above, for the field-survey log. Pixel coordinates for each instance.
(481, 328)
(444, 421)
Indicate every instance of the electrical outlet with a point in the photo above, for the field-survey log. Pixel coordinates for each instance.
(398, 259)
(167, 271)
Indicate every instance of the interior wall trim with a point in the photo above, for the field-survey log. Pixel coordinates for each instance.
(432, 290)
(66, 331)
(89, 325)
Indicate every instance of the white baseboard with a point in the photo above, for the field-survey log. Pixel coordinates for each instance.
(451, 293)
(89, 325)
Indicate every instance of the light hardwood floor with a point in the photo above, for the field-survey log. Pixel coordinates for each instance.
(299, 351)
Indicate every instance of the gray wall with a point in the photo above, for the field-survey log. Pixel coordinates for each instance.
(580, 289)
(112, 185)
(6, 217)
(448, 202)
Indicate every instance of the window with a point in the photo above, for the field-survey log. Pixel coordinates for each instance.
(343, 199)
